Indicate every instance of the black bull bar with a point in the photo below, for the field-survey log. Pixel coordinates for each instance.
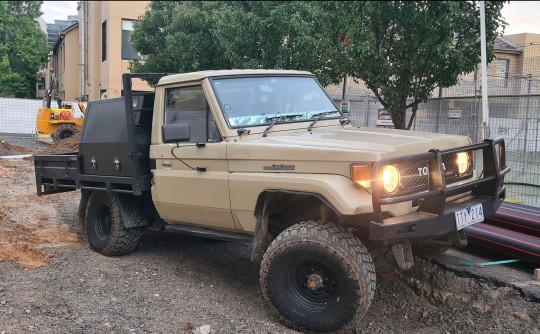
(435, 216)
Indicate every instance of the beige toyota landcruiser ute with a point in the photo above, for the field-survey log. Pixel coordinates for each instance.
(265, 155)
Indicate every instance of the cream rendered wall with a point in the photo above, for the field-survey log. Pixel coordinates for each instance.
(530, 57)
(107, 75)
(94, 49)
(65, 61)
(72, 75)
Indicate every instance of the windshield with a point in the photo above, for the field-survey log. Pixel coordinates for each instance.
(255, 101)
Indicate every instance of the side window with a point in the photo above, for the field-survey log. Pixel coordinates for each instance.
(189, 105)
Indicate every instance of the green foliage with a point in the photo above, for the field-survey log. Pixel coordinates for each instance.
(403, 50)
(201, 35)
(23, 48)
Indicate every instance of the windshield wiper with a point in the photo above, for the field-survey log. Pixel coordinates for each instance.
(324, 113)
(279, 117)
(318, 116)
(273, 119)
(268, 128)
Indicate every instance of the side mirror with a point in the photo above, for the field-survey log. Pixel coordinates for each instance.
(174, 133)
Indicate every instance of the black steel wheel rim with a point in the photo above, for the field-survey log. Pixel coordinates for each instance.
(103, 222)
(311, 285)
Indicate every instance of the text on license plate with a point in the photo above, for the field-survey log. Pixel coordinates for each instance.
(468, 216)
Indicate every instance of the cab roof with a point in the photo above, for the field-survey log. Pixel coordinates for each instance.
(195, 76)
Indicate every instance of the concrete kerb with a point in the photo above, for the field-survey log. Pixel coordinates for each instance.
(19, 156)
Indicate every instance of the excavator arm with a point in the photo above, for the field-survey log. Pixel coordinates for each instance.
(81, 106)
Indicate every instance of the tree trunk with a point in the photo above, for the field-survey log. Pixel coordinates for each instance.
(399, 113)
(414, 110)
(398, 119)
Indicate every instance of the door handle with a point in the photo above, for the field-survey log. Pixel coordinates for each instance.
(166, 163)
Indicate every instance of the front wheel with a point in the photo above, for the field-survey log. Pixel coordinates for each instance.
(318, 277)
(104, 229)
(65, 131)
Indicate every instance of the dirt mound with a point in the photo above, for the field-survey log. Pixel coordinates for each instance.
(23, 246)
(67, 145)
(25, 229)
(9, 149)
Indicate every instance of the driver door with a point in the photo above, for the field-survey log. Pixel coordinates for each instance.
(191, 182)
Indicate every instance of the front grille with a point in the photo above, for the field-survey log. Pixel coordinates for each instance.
(489, 185)
(414, 174)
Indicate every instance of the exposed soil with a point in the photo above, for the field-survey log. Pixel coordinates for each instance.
(51, 282)
(9, 149)
(67, 145)
(20, 145)
(25, 226)
(17, 146)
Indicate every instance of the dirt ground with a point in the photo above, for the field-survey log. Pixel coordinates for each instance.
(51, 282)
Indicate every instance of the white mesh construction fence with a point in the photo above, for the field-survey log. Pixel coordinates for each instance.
(18, 116)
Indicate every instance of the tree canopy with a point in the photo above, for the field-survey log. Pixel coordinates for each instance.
(402, 50)
(187, 36)
(23, 48)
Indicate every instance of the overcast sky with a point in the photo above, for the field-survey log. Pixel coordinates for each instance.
(522, 16)
(58, 10)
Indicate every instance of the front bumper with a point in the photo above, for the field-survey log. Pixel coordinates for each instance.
(435, 216)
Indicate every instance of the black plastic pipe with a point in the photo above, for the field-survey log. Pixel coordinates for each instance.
(517, 217)
(513, 243)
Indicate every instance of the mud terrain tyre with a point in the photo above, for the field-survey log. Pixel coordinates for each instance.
(103, 228)
(317, 277)
(65, 131)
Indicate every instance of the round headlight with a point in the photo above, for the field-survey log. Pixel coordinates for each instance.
(390, 178)
(462, 161)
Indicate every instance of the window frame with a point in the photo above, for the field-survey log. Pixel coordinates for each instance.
(104, 41)
(137, 55)
(207, 112)
(220, 104)
(506, 69)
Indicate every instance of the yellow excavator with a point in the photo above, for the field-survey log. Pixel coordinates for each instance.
(60, 123)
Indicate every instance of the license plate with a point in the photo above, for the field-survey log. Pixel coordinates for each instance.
(469, 216)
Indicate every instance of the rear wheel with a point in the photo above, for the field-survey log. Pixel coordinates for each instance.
(65, 131)
(318, 277)
(104, 229)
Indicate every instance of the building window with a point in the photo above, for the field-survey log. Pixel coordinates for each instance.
(104, 41)
(41, 83)
(59, 64)
(502, 70)
(128, 51)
